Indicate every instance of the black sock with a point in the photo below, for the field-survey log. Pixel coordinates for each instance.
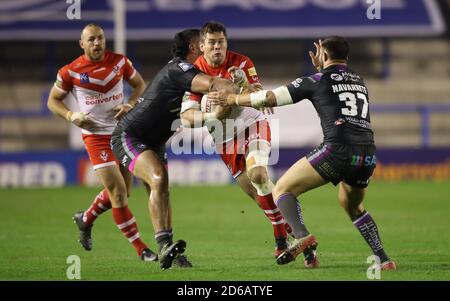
(368, 229)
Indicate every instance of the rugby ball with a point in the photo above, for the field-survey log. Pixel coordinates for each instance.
(206, 106)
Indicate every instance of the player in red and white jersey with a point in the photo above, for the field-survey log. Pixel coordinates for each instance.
(98, 88)
(223, 63)
(95, 79)
(246, 158)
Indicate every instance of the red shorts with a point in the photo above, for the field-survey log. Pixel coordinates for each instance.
(233, 152)
(99, 150)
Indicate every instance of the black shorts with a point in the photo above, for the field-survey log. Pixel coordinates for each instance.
(353, 164)
(127, 149)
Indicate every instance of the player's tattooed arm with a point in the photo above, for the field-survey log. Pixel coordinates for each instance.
(239, 77)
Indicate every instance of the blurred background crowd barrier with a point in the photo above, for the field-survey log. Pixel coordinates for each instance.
(400, 47)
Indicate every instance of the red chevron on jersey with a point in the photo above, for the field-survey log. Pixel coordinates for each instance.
(97, 86)
(96, 76)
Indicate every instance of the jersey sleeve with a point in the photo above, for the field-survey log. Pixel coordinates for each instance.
(182, 74)
(63, 80)
(128, 69)
(303, 87)
(251, 73)
(191, 101)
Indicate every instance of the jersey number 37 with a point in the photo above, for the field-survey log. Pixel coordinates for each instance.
(351, 108)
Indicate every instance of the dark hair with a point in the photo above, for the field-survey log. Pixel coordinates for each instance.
(336, 47)
(212, 27)
(182, 39)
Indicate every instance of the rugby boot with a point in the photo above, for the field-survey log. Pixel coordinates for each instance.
(169, 252)
(181, 261)
(148, 255)
(388, 266)
(297, 247)
(311, 261)
(85, 230)
(281, 246)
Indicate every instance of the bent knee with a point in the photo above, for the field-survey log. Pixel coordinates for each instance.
(156, 179)
(258, 175)
(159, 181)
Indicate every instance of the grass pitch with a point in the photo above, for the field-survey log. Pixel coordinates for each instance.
(228, 236)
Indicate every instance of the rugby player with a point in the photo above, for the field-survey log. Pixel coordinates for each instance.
(140, 136)
(347, 155)
(244, 149)
(95, 79)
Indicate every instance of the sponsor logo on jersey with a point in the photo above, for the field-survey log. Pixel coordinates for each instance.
(348, 76)
(142, 146)
(185, 66)
(336, 77)
(124, 159)
(84, 78)
(339, 121)
(252, 71)
(104, 155)
(359, 122)
(102, 98)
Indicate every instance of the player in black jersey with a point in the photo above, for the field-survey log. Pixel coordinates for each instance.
(347, 154)
(139, 139)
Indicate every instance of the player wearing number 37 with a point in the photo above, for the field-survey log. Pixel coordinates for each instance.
(347, 154)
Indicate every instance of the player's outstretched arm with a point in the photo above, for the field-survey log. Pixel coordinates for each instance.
(259, 99)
